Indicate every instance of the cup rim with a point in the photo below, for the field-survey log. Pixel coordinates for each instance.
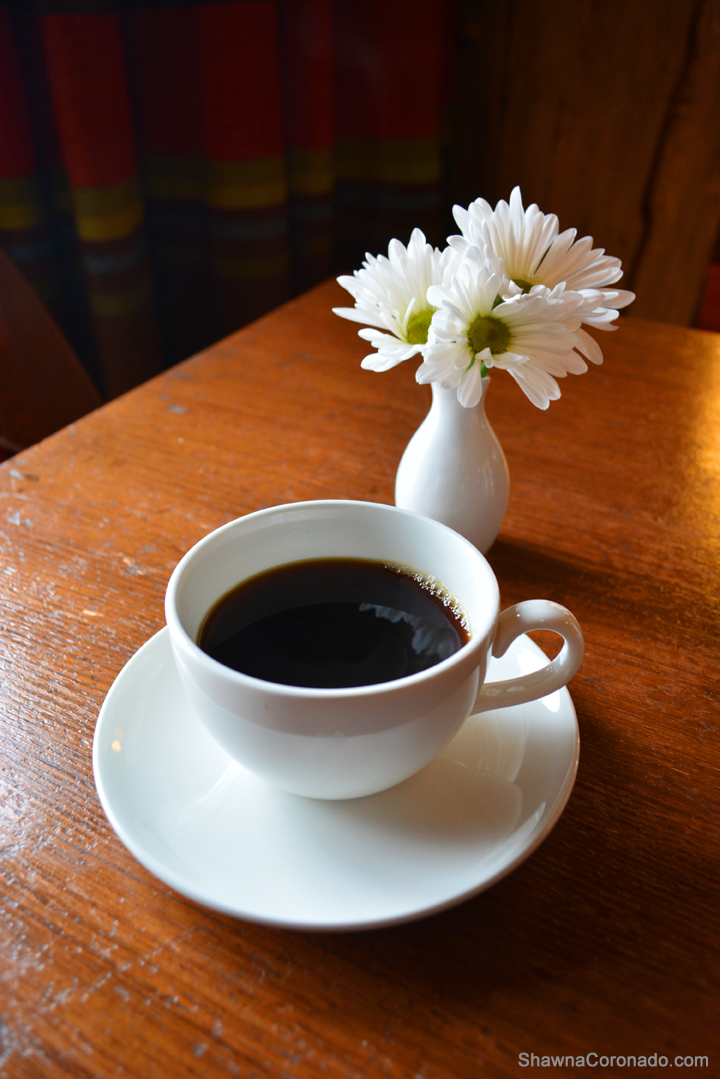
(238, 678)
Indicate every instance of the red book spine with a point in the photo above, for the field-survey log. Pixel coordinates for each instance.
(390, 68)
(87, 77)
(241, 80)
(86, 67)
(308, 67)
(388, 150)
(247, 185)
(308, 74)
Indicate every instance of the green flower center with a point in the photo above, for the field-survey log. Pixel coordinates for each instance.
(418, 326)
(486, 331)
(523, 284)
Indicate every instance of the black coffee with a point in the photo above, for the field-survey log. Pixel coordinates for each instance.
(331, 623)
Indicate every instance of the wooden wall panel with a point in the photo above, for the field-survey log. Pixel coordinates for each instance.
(684, 195)
(606, 114)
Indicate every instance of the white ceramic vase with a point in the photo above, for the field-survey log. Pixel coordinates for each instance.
(454, 469)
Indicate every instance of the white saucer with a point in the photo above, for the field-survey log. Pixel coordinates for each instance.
(215, 833)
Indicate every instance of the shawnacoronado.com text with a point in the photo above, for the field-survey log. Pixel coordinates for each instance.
(594, 1060)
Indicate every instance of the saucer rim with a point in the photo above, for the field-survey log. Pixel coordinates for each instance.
(178, 883)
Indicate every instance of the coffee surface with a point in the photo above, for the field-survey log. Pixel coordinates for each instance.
(332, 623)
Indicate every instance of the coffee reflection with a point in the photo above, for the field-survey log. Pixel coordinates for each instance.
(334, 623)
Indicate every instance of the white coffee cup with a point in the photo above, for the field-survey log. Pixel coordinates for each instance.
(344, 743)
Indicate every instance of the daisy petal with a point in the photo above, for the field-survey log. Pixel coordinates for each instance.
(355, 316)
(538, 386)
(470, 388)
(589, 347)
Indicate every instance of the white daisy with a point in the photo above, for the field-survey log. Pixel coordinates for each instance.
(535, 255)
(531, 336)
(391, 296)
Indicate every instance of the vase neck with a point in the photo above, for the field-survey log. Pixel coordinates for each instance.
(446, 401)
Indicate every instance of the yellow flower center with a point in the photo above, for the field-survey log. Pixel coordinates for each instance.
(523, 284)
(418, 326)
(486, 331)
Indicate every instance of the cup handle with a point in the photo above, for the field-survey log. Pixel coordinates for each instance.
(533, 614)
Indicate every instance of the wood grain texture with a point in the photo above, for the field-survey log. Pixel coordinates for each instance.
(605, 114)
(683, 208)
(604, 941)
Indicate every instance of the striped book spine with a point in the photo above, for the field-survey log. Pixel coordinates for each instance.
(309, 128)
(22, 210)
(388, 149)
(165, 79)
(86, 71)
(247, 182)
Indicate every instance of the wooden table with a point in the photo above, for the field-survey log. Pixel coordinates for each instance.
(604, 941)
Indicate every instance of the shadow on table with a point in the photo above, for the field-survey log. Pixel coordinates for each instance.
(599, 893)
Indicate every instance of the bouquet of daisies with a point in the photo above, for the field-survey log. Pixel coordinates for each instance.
(511, 292)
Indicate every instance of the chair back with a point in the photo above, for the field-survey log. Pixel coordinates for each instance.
(43, 385)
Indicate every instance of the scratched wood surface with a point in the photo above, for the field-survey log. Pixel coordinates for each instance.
(604, 941)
